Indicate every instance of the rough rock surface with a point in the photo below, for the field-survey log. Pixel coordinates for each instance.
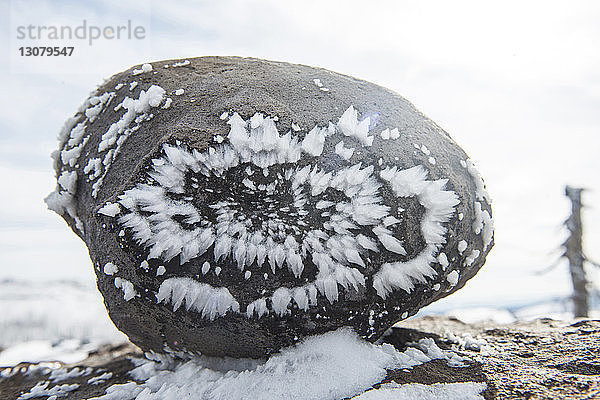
(233, 206)
(542, 359)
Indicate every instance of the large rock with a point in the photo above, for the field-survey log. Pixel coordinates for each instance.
(233, 206)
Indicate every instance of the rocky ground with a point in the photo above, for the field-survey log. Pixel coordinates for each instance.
(542, 359)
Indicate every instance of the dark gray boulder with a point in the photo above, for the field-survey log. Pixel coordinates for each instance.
(232, 206)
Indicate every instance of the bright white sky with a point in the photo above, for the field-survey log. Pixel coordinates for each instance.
(517, 85)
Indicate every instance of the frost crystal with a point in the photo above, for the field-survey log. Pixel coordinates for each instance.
(110, 209)
(72, 139)
(345, 153)
(439, 206)
(127, 288)
(145, 68)
(110, 269)
(452, 278)
(258, 222)
(350, 126)
(210, 302)
(483, 223)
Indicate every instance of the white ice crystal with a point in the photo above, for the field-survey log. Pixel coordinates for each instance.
(472, 257)
(42, 389)
(443, 260)
(483, 224)
(462, 246)
(314, 140)
(110, 209)
(110, 269)
(145, 68)
(136, 110)
(72, 138)
(452, 278)
(439, 206)
(180, 64)
(350, 126)
(344, 152)
(255, 228)
(100, 378)
(210, 302)
(127, 288)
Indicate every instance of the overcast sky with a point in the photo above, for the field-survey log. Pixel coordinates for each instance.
(516, 84)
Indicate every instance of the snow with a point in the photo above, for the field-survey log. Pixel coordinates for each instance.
(180, 64)
(443, 260)
(205, 267)
(136, 110)
(100, 378)
(467, 342)
(71, 141)
(472, 257)
(179, 92)
(145, 68)
(110, 269)
(167, 104)
(127, 288)
(418, 391)
(334, 365)
(48, 320)
(452, 278)
(110, 209)
(390, 134)
(68, 181)
(67, 351)
(63, 374)
(41, 389)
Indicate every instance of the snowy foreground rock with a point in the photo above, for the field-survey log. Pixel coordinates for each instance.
(233, 206)
(428, 358)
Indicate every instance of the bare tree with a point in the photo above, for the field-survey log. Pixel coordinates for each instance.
(573, 247)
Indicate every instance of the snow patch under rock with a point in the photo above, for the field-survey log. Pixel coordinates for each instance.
(331, 366)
